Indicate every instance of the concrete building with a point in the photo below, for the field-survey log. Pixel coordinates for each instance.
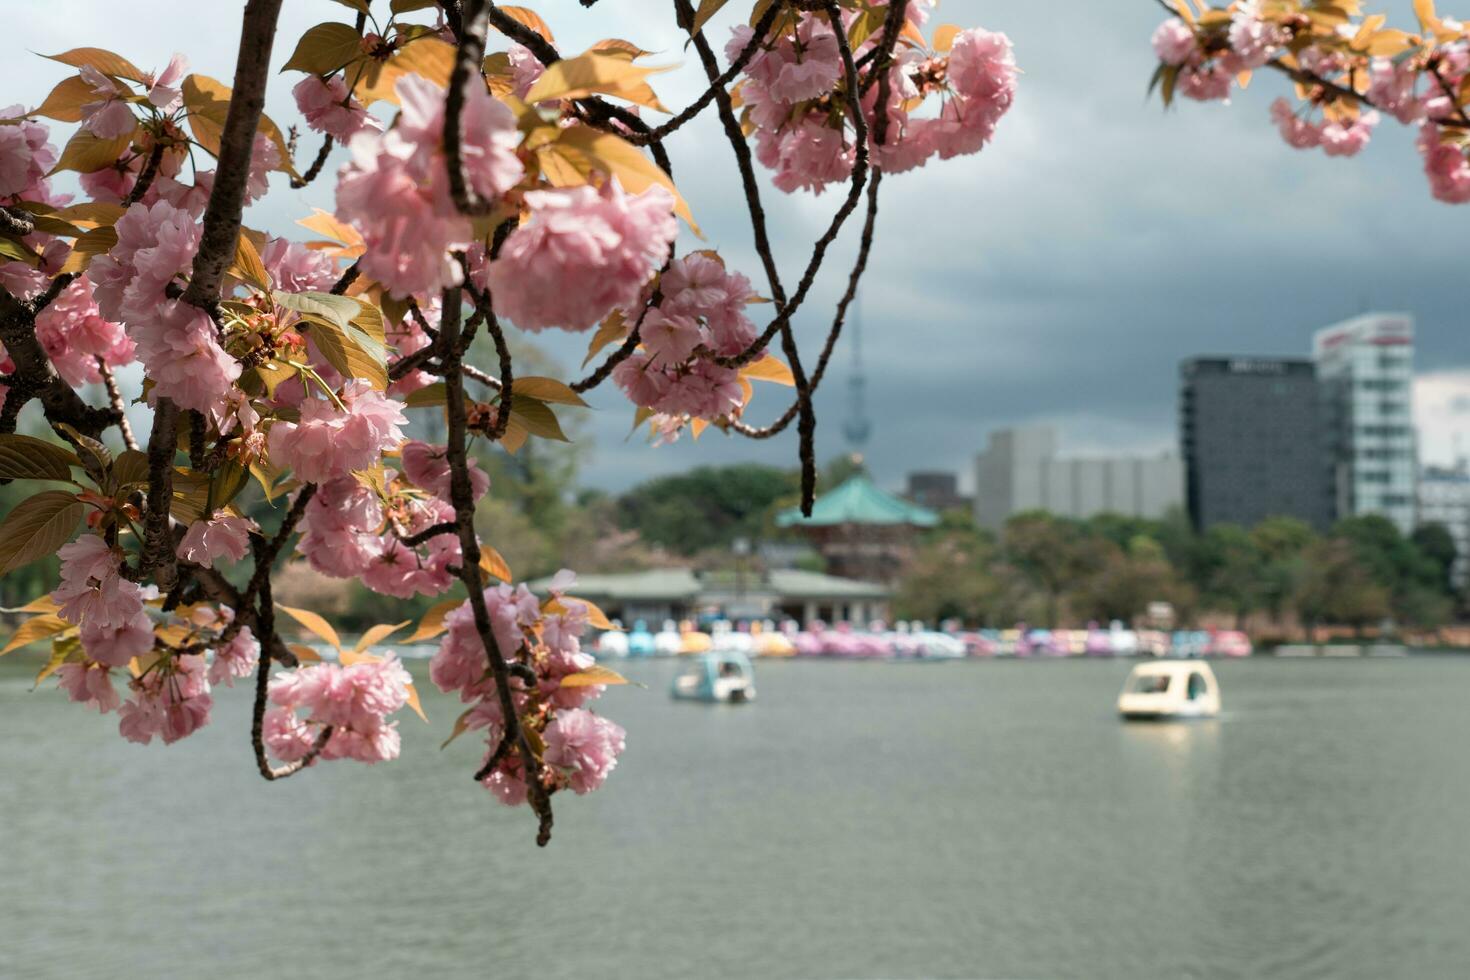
(1365, 367)
(935, 490)
(1021, 470)
(1251, 435)
(1444, 498)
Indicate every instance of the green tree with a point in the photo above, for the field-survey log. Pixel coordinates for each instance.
(1337, 587)
(1435, 543)
(707, 507)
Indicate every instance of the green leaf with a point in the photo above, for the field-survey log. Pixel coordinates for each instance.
(349, 351)
(191, 495)
(38, 527)
(96, 458)
(131, 467)
(426, 396)
(325, 48)
(15, 251)
(547, 390)
(535, 417)
(340, 310)
(64, 648)
(228, 481)
(25, 458)
(409, 6)
(87, 154)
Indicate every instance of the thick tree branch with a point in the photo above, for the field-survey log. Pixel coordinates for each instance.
(461, 494)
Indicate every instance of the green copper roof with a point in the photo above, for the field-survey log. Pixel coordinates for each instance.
(858, 501)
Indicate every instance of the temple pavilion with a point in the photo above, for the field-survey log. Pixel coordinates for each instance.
(862, 532)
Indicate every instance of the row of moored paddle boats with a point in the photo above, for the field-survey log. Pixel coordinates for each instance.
(912, 640)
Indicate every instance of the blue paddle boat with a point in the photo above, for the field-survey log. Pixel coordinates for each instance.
(724, 678)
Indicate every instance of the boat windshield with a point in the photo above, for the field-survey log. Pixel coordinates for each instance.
(1196, 686)
(1151, 684)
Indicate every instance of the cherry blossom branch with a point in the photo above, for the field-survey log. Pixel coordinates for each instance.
(752, 47)
(146, 176)
(237, 145)
(461, 495)
(34, 376)
(865, 246)
(216, 250)
(470, 55)
(1303, 77)
(265, 624)
(316, 165)
(115, 399)
(591, 109)
(16, 222)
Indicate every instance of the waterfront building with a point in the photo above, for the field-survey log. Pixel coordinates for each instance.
(1365, 368)
(1251, 436)
(1021, 470)
(861, 532)
(678, 594)
(1444, 498)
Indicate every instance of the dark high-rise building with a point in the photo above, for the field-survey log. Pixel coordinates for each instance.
(1253, 441)
(936, 490)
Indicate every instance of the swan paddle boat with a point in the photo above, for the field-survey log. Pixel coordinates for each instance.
(716, 678)
(1170, 690)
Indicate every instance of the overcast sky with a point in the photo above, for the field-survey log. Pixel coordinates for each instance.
(1059, 276)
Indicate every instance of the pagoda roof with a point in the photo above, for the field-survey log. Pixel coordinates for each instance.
(858, 500)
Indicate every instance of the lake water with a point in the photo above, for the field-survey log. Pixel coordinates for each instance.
(976, 819)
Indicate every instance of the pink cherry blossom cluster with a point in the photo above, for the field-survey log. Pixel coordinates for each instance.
(170, 700)
(77, 338)
(178, 344)
(348, 531)
(330, 109)
(109, 609)
(1445, 165)
(702, 307)
(170, 688)
(26, 157)
(1337, 138)
(793, 83)
(581, 748)
(1208, 63)
(355, 700)
(583, 252)
(395, 190)
(221, 535)
(334, 437)
(1206, 74)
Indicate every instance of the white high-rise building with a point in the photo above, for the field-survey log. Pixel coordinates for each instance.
(1366, 368)
(1020, 470)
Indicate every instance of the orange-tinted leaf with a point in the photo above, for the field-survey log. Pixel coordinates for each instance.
(491, 563)
(433, 622)
(591, 676)
(33, 629)
(770, 368)
(101, 59)
(315, 623)
(378, 634)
